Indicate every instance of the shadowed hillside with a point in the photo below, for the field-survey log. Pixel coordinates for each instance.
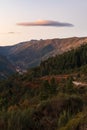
(30, 54)
(6, 67)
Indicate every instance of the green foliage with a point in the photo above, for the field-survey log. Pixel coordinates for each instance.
(71, 61)
(63, 119)
(53, 86)
(64, 63)
(44, 94)
(73, 124)
(48, 88)
(33, 102)
(69, 87)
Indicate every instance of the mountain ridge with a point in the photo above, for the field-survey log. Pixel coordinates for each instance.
(30, 53)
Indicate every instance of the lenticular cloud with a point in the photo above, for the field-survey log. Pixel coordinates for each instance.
(46, 23)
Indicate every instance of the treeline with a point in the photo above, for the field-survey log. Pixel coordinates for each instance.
(64, 63)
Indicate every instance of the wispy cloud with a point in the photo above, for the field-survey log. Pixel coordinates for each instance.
(8, 33)
(11, 32)
(46, 23)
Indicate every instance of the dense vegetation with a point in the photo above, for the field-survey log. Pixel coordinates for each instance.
(35, 101)
(67, 61)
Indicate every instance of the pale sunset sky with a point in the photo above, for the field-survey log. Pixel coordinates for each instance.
(23, 20)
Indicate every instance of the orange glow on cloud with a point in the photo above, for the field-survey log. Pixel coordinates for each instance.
(46, 23)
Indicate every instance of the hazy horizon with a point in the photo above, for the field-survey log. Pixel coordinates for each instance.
(24, 20)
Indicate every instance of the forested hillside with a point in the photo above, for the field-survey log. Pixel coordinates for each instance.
(46, 98)
(66, 62)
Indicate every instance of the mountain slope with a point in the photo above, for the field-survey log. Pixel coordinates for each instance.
(6, 68)
(52, 102)
(71, 61)
(31, 53)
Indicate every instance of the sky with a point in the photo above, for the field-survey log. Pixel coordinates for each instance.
(24, 20)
